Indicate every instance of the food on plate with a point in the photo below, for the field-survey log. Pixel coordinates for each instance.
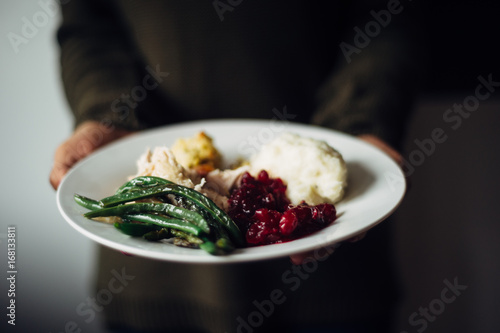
(162, 163)
(198, 153)
(265, 215)
(286, 191)
(313, 171)
(177, 211)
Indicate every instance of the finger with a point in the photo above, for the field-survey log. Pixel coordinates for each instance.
(319, 254)
(395, 155)
(64, 159)
(56, 175)
(298, 259)
(66, 156)
(86, 139)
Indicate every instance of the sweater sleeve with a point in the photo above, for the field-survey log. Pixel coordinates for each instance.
(372, 86)
(99, 66)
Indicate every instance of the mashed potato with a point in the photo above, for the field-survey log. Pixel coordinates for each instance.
(313, 171)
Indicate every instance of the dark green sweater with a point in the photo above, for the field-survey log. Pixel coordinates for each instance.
(139, 64)
(263, 55)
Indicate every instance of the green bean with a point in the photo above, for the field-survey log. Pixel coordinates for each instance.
(156, 235)
(135, 229)
(139, 194)
(214, 226)
(190, 238)
(194, 217)
(199, 199)
(219, 233)
(166, 222)
(140, 182)
(203, 243)
(87, 202)
(223, 241)
(224, 244)
(138, 208)
(209, 247)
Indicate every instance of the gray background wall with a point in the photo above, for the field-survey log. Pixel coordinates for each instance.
(446, 230)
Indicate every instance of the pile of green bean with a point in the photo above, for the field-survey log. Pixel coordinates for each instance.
(193, 221)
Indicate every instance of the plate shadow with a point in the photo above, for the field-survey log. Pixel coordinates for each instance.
(359, 179)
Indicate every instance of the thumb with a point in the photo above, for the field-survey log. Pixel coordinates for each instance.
(86, 139)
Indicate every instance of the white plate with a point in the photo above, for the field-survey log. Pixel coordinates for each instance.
(376, 186)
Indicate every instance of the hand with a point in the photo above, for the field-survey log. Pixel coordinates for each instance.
(384, 146)
(298, 259)
(86, 138)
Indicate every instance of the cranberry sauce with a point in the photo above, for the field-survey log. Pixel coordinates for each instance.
(264, 214)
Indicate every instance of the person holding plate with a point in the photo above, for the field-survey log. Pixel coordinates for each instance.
(351, 66)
